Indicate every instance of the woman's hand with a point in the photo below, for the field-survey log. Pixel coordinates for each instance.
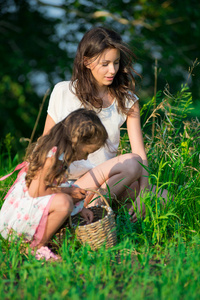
(150, 192)
(87, 214)
(140, 210)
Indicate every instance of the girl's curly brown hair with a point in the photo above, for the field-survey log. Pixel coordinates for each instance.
(81, 127)
(92, 45)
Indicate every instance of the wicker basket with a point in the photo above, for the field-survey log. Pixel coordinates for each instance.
(102, 231)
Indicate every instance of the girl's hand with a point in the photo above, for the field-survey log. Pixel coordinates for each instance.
(87, 214)
(77, 193)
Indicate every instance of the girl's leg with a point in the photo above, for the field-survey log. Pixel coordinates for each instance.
(118, 173)
(60, 208)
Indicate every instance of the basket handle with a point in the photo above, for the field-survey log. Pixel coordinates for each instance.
(95, 192)
(70, 221)
(98, 193)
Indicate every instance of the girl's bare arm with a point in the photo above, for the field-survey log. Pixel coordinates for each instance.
(38, 187)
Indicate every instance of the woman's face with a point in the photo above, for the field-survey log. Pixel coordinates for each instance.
(105, 67)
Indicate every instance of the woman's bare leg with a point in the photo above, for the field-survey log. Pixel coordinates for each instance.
(138, 203)
(118, 173)
(60, 208)
(121, 174)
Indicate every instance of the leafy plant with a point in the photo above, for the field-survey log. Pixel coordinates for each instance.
(155, 258)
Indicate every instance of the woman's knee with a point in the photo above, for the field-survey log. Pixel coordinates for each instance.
(132, 165)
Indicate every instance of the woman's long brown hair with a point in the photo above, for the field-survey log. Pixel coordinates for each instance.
(92, 45)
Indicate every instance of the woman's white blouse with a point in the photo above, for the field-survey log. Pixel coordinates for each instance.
(63, 101)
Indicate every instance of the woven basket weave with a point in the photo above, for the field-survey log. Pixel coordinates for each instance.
(102, 231)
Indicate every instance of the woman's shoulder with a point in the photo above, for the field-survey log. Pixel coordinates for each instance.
(63, 85)
(131, 100)
(64, 89)
(63, 101)
(133, 96)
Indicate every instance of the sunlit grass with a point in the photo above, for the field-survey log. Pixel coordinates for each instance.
(157, 257)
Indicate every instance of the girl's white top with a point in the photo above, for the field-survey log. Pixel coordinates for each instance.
(63, 102)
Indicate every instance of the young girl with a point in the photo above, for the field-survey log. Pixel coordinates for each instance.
(103, 80)
(38, 203)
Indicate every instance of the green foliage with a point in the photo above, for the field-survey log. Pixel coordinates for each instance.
(121, 272)
(164, 30)
(155, 258)
(30, 57)
(8, 141)
(37, 48)
(173, 156)
(176, 138)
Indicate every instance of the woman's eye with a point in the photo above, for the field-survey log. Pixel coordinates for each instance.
(104, 65)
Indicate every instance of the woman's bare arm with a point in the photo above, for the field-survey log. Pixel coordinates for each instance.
(136, 141)
(49, 123)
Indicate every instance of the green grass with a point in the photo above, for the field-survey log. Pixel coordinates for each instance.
(170, 271)
(157, 257)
